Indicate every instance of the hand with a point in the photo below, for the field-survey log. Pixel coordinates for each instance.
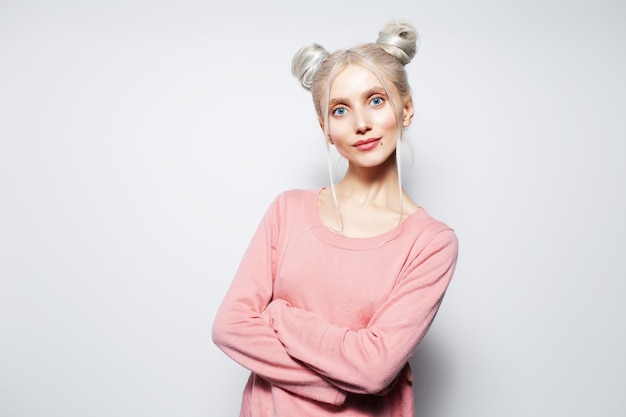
(408, 373)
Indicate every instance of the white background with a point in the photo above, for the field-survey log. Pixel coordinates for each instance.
(141, 142)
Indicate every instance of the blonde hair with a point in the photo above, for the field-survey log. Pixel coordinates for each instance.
(316, 69)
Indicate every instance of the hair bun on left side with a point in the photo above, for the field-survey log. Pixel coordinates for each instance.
(306, 62)
(400, 39)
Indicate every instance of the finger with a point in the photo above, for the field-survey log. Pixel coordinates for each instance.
(408, 373)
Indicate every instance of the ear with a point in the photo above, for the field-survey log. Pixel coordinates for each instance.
(321, 122)
(407, 113)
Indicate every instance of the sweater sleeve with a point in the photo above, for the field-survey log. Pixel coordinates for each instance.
(241, 333)
(368, 360)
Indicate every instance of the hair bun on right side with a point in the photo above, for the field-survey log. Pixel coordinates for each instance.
(400, 39)
(306, 62)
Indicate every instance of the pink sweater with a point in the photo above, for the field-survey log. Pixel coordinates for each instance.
(324, 322)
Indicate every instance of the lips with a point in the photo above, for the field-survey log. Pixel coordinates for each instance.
(367, 144)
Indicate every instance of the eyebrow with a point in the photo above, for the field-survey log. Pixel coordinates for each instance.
(372, 91)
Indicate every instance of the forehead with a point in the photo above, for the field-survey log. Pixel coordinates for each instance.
(354, 79)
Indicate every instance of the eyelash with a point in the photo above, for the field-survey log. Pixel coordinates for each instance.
(382, 101)
(335, 110)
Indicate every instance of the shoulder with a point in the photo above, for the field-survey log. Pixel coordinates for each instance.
(433, 246)
(295, 194)
(294, 197)
(428, 231)
(292, 202)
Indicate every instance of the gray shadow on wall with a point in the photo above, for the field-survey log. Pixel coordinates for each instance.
(431, 379)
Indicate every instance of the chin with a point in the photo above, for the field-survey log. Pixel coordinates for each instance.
(372, 163)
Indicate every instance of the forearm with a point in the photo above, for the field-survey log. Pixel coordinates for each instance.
(367, 360)
(240, 331)
(247, 339)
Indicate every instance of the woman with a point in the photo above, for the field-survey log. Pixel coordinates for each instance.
(339, 285)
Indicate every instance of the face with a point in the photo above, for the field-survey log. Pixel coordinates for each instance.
(361, 121)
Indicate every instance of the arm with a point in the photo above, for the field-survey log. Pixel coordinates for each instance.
(242, 334)
(368, 360)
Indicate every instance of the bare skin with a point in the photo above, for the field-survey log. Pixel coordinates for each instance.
(369, 206)
(368, 195)
(364, 129)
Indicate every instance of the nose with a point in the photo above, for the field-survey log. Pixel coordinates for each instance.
(361, 122)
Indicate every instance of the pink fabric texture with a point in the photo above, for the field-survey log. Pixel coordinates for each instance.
(326, 323)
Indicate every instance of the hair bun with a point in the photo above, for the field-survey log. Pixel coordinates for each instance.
(400, 39)
(306, 62)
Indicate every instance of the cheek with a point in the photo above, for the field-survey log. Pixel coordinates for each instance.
(387, 121)
(338, 130)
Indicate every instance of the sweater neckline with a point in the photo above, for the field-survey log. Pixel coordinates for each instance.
(348, 242)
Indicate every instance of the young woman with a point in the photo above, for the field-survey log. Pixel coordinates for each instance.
(339, 285)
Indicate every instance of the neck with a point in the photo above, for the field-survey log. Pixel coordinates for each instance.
(376, 185)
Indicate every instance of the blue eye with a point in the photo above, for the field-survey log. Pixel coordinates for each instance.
(339, 111)
(377, 101)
